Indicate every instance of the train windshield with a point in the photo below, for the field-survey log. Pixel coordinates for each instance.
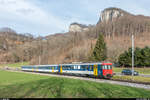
(107, 66)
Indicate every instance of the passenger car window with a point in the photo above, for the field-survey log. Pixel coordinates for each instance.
(87, 67)
(72, 67)
(79, 67)
(91, 67)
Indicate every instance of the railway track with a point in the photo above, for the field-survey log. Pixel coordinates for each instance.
(111, 81)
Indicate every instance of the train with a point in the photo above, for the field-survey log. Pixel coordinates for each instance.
(99, 70)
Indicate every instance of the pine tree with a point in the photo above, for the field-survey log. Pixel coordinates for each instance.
(100, 50)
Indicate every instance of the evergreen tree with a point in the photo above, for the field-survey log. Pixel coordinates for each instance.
(138, 57)
(146, 56)
(125, 58)
(141, 57)
(100, 50)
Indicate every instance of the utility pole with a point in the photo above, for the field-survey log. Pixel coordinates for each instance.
(39, 50)
(132, 55)
(39, 59)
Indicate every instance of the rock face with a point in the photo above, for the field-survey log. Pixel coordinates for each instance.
(109, 14)
(75, 27)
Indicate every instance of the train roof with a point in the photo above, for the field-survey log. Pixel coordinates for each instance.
(96, 63)
(38, 65)
(88, 64)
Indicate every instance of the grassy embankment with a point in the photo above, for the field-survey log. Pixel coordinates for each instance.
(134, 79)
(20, 85)
(15, 64)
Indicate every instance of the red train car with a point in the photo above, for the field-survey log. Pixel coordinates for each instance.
(107, 70)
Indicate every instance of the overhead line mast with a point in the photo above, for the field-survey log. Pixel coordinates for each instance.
(132, 55)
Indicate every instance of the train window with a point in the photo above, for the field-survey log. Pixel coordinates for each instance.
(108, 66)
(82, 67)
(72, 67)
(78, 67)
(63, 67)
(69, 67)
(105, 67)
(90, 67)
(87, 67)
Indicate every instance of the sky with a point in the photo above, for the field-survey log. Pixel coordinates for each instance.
(45, 17)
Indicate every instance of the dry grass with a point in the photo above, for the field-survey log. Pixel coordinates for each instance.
(134, 79)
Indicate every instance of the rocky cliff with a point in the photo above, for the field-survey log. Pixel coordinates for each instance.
(109, 14)
(76, 27)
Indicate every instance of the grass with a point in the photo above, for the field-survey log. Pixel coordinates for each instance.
(22, 85)
(15, 64)
(135, 78)
(140, 70)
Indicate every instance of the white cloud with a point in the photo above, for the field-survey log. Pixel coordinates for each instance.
(50, 16)
(27, 12)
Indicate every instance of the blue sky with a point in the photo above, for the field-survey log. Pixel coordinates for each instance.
(45, 17)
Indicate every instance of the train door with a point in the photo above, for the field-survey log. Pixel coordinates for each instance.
(95, 70)
(60, 69)
(100, 72)
(52, 68)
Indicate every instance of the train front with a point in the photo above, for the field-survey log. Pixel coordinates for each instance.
(107, 70)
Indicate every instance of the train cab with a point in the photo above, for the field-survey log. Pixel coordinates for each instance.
(107, 70)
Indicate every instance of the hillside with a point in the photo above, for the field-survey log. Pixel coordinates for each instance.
(77, 44)
(117, 26)
(12, 45)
